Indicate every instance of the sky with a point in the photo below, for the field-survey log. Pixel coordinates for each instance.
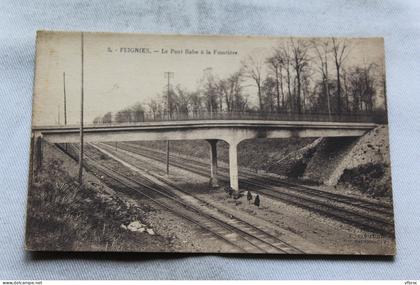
(123, 69)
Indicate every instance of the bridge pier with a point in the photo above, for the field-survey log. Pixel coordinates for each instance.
(214, 182)
(233, 166)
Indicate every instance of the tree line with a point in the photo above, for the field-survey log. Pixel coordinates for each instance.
(299, 76)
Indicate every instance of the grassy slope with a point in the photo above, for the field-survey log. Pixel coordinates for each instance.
(63, 217)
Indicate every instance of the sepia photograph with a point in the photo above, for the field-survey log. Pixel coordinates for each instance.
(209, 144)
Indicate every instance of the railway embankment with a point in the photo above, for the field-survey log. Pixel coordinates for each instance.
(367, 167)
(359, 164)
(323, 166)
(65, 217)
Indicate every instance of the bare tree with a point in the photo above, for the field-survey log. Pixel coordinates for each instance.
(209, 89)
(289, 81)
(306, 84)
(285, 81)
(224, 90)
(346, 90)
(98, 120)
(340, 52)
(183, 100)
(253, 68)
(284, 55)
(300, 62)
(323, 51)
(137, 112)
(107, 118)
(275, 64)
(269, 93)
(369, 80)
(153, 106)
(362, 86)
(123, 116)
(230, 88)
(196, 103)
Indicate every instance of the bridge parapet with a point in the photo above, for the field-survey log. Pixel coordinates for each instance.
(365, 117)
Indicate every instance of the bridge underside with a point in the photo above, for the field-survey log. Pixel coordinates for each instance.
(231, 132)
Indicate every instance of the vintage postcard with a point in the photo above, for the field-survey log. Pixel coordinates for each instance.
(212, 144)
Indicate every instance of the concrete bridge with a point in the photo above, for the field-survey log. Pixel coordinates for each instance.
(231, 131)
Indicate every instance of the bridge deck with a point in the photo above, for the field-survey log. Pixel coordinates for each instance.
(204, 124)
(231, 131)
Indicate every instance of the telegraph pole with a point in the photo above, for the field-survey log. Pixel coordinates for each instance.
(81, 116)
(65, 103)
(167, 157)
(206, 74)
(58, 114)
(168, 75)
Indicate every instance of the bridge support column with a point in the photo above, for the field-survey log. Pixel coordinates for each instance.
(214, 182)
(233, 166)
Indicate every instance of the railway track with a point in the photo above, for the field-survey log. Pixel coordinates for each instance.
(269, 181)
(240, 234)
(373, 217)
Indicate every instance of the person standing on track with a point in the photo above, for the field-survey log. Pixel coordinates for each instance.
(249, 197)
(229, 191)
(257, 201)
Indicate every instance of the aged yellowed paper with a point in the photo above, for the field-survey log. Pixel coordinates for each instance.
(171, 143)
